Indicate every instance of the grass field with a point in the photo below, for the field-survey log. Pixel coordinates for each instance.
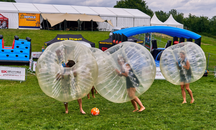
(25, 106)
(39, 37)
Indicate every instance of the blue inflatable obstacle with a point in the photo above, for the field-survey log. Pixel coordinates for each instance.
(19, 53)
(176, 33)
(122, 35)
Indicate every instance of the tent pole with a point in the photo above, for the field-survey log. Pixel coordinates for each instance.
(91, 25)
(59, 26)
(47, 24)
(44, 24)
(84, 25)
(65, 25)
(78, 25)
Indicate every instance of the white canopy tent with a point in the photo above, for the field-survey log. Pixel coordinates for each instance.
(172, 22)
(155, 21)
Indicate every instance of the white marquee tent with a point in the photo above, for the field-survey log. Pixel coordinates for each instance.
(27, 7)
(46, 8)
(172, 22)
(105, 13)
(66, 9)
(119, 17)
(140, 18)
(123, 18)
(85, 10)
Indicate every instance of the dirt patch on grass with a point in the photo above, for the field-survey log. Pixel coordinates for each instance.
(205, 44)
(162, 35)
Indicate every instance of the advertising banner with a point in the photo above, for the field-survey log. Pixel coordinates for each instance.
(62, 37)
(34, 55)
(159, 75)
(148, 40)
(29, 20)
(34, 65)
(12, 73)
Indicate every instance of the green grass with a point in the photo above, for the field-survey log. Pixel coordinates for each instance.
(25, 106)
(39, 37)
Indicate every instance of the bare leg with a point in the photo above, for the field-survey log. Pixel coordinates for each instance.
(135, 105)
(80, 106)
(190, 92)
(131, 93)
(183, 94)
(92, 90)
(140, 104)
(95, 91)
(88, 95)
(66, 107)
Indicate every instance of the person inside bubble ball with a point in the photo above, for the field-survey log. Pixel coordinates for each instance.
(131, 82)
(70, 63)
(92, 91)
(185, 76)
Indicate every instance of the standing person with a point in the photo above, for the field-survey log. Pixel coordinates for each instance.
(42, 49)
(92, 91)
(71, 63)
(185, 76)
(131, 82)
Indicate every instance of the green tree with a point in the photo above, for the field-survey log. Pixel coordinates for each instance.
(191, 23)
(134, 4)
(8, 0)
(212, 25)
(173, 12)
(179, 17)
(162, 16)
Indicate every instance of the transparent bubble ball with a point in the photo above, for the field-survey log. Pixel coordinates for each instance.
(66, 83)
(126, 57)
(183, 63)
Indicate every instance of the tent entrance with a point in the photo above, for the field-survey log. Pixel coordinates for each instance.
(85, 22)
(71, 26)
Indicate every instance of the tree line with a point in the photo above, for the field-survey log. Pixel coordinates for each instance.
(202, 24)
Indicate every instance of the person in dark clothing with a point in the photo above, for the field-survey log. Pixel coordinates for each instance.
(131, 82)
